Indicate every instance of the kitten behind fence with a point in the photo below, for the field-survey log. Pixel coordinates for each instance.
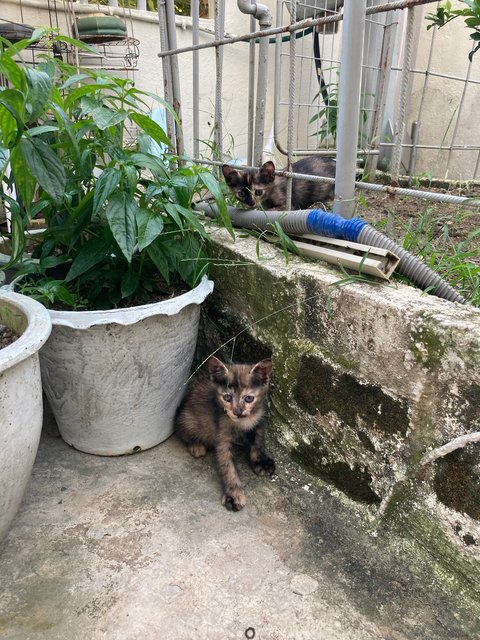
(217, 413)
(262, 189)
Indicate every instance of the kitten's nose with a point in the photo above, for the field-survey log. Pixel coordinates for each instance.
(238, 411)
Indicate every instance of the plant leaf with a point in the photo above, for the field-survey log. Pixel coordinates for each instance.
(91, 253)
(11, 120)
(159, 259)
(121, 212)
(105, 117)
(184, 186)
(213, 186)
(149, 227)
(40, 87)
(151, 128)
(105, 185)
(146, 161)
(12, 72)
(45, 166)
(17, 241)
(24, 180)
(130, 282)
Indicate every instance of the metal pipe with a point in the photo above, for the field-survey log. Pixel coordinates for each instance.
(428, 74)
(261, 13)
(166, 67)
(459, 112)
(251, 93)
(219, 31)
(196, 78)
(403, 98)
(291, 98)
(176, 93)
(413, 155)
(277, 83)
(370, 186)
(373, 46)
(354, 12)
(262, 78)
(300, 25)
(380, 92)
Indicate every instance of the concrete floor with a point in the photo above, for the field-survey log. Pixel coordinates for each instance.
(140, 547)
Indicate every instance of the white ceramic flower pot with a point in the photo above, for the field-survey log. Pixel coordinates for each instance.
(21, 406)
(114, 378)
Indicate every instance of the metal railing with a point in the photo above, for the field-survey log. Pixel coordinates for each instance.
(300, 126)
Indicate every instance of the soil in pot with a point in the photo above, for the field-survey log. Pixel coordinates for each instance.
(7, 336)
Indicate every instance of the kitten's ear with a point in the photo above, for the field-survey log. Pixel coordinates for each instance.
(218, 371)
(267, 172)
(230, 174)
(262, 370)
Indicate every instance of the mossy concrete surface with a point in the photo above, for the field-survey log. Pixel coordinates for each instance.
(367, 379)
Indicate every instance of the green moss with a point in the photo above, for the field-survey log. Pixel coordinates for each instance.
(427, 347)
(436, 558)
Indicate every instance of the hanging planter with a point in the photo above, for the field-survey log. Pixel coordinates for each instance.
(14, 32)
(21, 408)
(114, 378)
(100, 28)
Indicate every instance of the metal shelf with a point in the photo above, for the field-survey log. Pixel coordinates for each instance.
(112, 52)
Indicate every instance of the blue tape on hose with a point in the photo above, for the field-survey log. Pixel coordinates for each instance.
(334, 226)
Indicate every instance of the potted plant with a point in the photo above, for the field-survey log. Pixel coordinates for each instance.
(119, 233)
(21, 411)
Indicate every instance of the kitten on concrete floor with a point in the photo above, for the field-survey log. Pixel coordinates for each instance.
(262, 189)
(215, 414)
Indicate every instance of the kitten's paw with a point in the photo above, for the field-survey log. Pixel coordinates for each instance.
(234, 500)
(264, 466)
(197, 450)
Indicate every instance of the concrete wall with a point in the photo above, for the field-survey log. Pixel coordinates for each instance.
(367, 379)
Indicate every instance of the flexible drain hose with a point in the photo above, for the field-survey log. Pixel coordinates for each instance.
(331, 225)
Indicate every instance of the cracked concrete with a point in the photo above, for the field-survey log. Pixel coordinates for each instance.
(140, 547)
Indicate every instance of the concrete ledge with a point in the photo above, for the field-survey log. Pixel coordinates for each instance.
(368, 378)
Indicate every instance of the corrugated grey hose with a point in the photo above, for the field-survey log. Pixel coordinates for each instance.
(331, 225)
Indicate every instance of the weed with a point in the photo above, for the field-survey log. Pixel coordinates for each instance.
(430, 238)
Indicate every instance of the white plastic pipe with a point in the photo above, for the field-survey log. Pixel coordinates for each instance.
(264, 16)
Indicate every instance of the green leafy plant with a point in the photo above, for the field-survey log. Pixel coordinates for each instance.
(327, 115)
(471, 15)
(119, 223)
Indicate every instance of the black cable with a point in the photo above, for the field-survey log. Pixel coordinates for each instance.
(318, 67)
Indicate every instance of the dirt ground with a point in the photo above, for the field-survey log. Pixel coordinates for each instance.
(395, 214)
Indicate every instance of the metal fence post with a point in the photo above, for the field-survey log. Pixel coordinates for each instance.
(351, 58)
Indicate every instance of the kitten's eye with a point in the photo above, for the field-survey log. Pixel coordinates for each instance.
(258, 192)
(227, 397)
(249, 398)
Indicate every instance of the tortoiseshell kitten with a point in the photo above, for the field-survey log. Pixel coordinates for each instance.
(262, 189)
(216, 413)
